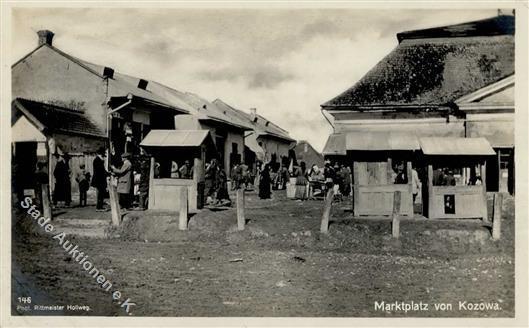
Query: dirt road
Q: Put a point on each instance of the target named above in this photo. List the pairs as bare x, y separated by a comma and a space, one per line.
279, 266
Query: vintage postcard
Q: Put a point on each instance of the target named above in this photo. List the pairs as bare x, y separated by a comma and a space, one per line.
261, 163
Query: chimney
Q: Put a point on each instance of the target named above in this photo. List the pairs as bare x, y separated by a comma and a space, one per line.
253, 114
108, 73
142, 84
45, 36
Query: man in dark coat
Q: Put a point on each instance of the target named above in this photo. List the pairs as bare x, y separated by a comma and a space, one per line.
99, 180
61, 175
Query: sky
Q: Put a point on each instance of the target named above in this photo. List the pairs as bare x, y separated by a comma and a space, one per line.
283, 62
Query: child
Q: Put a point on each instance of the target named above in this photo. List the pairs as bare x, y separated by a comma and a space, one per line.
83, 179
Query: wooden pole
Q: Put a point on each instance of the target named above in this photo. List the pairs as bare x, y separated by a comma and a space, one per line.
429, 213
484, 186
356, 189
496, 218
241, 221
46, 208
183, 213
114, 203
327, 211
395, 222
151, 196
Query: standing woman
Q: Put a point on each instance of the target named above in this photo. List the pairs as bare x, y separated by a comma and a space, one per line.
222, 196
210, 177
301, 181
264, 183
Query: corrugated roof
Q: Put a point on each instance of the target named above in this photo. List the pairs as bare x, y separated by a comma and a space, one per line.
175, 138
259, 126
196, 105
380, 141
456, 146
58, 119
123, 84
335, 145
433, 71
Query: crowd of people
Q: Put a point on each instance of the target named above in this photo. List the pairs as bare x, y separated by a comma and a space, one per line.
132, 179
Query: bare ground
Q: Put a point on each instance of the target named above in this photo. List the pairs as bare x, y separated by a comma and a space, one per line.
279, 266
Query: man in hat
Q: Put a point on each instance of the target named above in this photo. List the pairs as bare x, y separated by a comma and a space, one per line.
124, 175
99, 180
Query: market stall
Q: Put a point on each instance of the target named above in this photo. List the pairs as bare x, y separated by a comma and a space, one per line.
381, 164
177, 148
456, 181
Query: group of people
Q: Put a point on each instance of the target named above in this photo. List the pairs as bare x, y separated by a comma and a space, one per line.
308, 182
241, 176
121, 169
216, 184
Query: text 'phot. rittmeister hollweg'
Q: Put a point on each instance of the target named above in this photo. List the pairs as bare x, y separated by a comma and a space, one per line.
184, 162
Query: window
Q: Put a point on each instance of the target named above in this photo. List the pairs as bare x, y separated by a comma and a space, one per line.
505, 158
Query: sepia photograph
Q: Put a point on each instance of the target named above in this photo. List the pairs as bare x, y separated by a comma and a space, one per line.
256, 162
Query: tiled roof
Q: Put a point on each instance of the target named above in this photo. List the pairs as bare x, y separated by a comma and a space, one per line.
58, 119
433, 71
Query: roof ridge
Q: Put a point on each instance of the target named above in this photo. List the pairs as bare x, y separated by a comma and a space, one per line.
495, 25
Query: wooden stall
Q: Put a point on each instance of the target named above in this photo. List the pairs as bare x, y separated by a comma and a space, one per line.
167, 146
456, 184
378, 158
374, 187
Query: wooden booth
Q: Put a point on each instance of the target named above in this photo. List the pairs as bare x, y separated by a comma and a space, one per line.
382, 164
170, 147
456, 184
376, 159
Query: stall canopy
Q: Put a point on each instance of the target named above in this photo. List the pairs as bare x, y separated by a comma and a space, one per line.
456, 146
175, 138
340, 143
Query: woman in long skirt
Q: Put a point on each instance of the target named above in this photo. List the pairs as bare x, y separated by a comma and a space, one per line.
301, 182
264, 183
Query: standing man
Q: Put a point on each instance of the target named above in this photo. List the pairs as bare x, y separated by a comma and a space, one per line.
124, 175
99, 180
60, 173
415, 183
186, 171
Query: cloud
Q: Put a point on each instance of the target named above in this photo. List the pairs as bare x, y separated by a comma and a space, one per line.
283, 62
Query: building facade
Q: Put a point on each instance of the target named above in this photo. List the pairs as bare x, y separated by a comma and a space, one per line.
451, 81
266, 141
